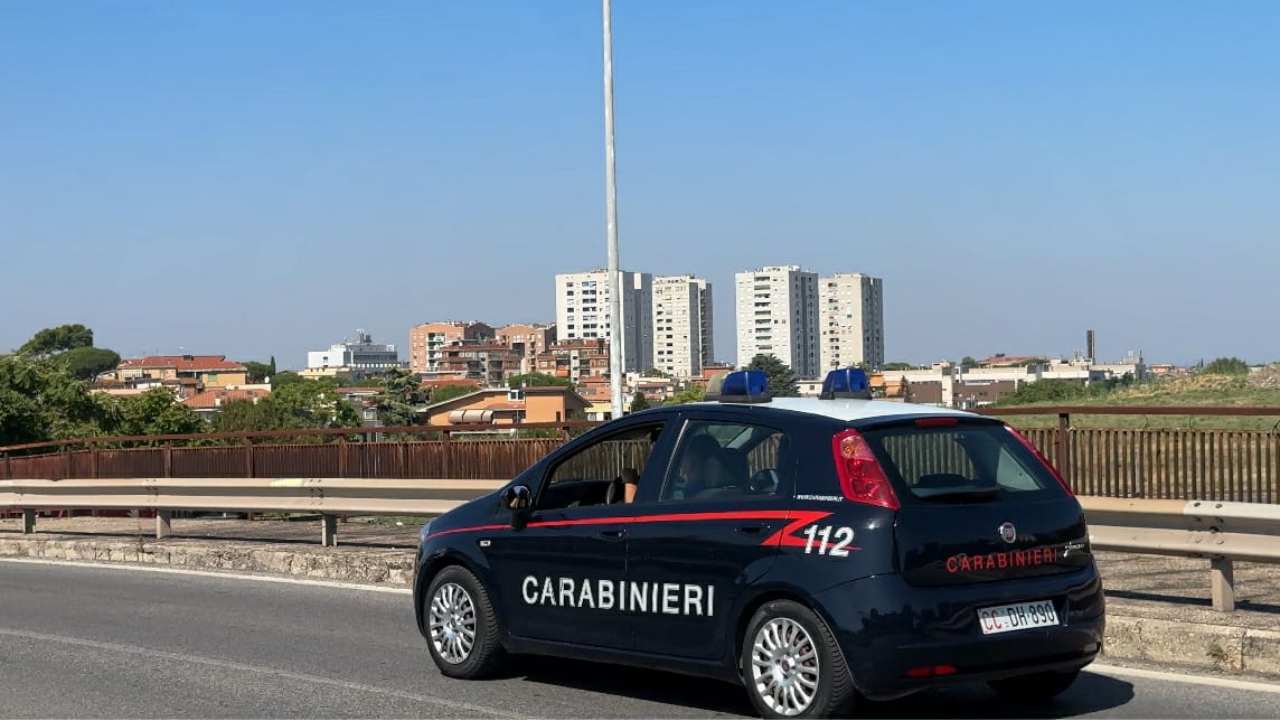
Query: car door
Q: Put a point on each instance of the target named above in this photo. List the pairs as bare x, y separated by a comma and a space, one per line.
562, 573
706, 531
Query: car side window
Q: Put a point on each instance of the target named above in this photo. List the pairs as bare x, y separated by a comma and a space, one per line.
607, 471
728, 460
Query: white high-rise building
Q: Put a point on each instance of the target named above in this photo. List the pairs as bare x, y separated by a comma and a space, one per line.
851, 317
681, 324
777, 314
705, 318
583, 310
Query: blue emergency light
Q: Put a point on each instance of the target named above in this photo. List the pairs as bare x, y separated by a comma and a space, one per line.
846, 383
743, 386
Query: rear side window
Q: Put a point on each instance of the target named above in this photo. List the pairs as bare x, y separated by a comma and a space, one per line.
727, 460
960, 463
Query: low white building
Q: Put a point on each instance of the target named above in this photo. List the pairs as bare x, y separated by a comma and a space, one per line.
358, 356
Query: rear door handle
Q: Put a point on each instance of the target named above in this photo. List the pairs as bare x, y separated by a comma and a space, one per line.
751, 529
613, 534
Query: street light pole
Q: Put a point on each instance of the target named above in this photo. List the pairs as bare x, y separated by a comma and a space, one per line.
611, 223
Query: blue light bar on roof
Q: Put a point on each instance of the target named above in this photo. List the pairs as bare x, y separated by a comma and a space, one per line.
846, 383
741, 386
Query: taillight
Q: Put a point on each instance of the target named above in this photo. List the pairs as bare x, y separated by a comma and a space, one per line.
862, 479
1043, 460
937, 422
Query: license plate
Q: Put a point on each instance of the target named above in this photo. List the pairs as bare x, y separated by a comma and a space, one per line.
1021, 616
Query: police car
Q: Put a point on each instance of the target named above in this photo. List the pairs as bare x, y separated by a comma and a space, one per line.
815, 550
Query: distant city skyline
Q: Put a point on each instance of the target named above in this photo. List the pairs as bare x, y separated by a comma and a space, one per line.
256, 180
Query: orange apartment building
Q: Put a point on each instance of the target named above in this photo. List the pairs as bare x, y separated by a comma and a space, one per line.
199, 370
428, 340
490, 363
575, 359
499, 406
527, 341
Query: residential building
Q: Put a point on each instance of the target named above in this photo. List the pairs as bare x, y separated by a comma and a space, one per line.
596, 390
705, 321
196, 370
502, 406
709, 371
208, 403
489, 363
584, 312
575, 359
526, 340
678, 333
427, 341
655, 389
851, 318
777, 314
356, 357
365, 402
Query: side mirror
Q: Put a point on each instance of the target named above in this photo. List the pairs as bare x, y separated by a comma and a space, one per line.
517, 498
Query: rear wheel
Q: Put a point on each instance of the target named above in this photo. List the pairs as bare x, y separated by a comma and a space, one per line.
462, 626
1039, 687
792, 666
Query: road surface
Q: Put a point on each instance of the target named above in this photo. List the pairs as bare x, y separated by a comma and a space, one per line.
80, 642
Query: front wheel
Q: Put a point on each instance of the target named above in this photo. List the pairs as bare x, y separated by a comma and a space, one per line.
1039, 687
462, 626
792, 666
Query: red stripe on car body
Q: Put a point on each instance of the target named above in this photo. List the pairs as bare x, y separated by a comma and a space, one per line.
781, 538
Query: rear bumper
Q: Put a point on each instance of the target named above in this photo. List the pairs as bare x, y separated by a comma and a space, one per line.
886, 627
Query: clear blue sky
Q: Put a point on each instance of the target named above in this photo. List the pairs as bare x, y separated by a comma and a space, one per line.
262, 178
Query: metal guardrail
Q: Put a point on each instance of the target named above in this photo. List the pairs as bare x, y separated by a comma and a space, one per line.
330, 497
1223, 532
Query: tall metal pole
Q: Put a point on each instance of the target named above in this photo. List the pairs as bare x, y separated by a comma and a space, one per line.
611, 223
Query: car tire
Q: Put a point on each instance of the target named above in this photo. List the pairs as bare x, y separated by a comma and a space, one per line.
463, 634
1035, 688
789, 654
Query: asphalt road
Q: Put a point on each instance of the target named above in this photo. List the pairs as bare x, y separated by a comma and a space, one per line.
82, 642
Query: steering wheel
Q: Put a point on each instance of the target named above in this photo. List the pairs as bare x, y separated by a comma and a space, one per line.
764, 482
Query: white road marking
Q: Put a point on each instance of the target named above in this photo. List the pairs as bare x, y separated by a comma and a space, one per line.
214, 574
256, 669
1209, 680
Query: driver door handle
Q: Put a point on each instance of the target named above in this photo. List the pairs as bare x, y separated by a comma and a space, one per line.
751, 529
613, 534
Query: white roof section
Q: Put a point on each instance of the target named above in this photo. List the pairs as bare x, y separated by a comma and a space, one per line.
850, 409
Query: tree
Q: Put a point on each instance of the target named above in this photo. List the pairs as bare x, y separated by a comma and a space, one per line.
443, 393
273, 366
51, 341
897, 366
968, 362
44, 401
258, 371
401, 396
536, 379
691, 394
155, 412
283, 379
298, 404
1227, 366
87, 363
782, 381
639, 402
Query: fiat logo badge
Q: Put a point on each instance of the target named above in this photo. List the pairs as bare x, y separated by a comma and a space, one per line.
1008, 533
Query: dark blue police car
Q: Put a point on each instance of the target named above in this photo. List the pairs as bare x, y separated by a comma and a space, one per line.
816, 550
